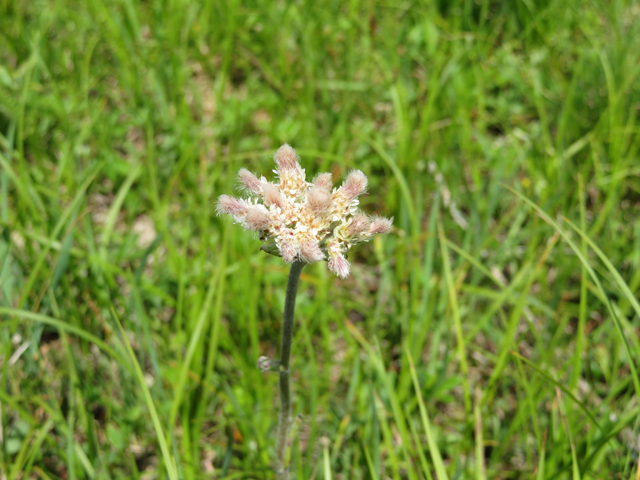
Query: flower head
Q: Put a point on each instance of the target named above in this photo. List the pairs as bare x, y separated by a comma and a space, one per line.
308, 221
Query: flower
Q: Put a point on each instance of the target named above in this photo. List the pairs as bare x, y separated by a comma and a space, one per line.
308, 221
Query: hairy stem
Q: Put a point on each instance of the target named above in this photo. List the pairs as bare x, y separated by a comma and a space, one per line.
284, 421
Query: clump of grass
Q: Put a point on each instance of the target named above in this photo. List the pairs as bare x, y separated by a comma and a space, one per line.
120, 125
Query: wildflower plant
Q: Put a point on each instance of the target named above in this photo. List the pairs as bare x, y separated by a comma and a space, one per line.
302, 222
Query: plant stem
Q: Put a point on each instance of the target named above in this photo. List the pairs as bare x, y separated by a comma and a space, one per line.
284, 421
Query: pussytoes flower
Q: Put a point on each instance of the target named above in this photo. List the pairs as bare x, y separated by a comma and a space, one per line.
307, 221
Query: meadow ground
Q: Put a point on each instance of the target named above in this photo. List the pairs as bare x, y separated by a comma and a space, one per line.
492, 334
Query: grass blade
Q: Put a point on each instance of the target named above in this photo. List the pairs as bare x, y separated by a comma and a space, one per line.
372, 468
574, 458
480, 466
196, 337
561, 387
596, 280
614, 271
436, 457
67, 327
455, 312
33, 274
326, 461
155, 419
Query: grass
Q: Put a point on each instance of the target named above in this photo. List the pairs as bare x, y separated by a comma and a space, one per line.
492, 334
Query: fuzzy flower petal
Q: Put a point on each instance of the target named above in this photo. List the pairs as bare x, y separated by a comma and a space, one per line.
380, 225
323, 180
310, 251
257, 218
286, 158
231, 205
319, 201
354, 185
287, 249
272, 195
359, 224
250, 181
339, 265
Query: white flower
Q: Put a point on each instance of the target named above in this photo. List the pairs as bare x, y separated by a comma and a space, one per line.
307, 221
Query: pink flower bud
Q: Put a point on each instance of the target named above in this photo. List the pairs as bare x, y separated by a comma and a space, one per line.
380, 225
310, 251
339, 265
249, 180
286, 158
324, 180
354, 185
257, 218
319, 201
359, 223
231, 205
287, 250
272, 195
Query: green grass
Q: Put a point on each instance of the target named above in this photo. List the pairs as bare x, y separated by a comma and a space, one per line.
494, 333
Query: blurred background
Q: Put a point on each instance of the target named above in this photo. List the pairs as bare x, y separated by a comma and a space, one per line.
482, 338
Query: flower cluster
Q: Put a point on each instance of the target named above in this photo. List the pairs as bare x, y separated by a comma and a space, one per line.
308, 221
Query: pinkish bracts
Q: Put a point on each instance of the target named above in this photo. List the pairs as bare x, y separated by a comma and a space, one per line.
250, 181
257, 218
232, 206
308, 221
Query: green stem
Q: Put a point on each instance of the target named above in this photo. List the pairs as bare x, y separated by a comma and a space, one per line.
284, 421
